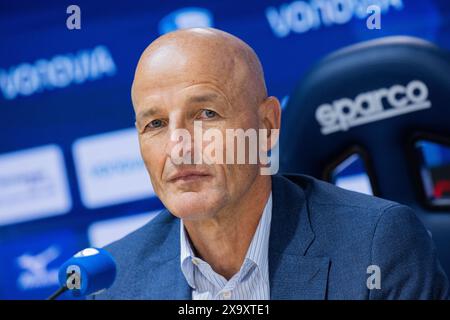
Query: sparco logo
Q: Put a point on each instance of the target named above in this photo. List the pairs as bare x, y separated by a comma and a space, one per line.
367, 107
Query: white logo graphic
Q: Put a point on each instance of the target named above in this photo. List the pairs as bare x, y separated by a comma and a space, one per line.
184, 18
33, 184
304, 16
35, 269
368, 107
110, 169
86, 253
60, 71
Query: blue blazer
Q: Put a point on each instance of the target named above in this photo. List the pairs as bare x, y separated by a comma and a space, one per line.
322, 240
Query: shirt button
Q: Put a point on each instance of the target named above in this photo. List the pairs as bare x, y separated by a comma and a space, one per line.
226, 295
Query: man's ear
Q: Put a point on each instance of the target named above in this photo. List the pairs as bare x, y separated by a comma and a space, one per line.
270, 115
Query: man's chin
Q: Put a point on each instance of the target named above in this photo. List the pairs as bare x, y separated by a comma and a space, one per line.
192, 205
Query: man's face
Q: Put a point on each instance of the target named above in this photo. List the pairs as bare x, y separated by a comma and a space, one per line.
166, 100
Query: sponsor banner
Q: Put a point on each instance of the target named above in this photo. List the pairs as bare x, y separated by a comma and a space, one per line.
110, 169
33, 184
104, 232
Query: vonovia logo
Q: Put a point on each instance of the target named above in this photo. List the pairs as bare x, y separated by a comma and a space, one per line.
191, 17
367, 107
298, 17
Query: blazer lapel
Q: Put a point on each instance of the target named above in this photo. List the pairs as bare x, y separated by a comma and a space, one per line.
293, 274
164, 263
174, 286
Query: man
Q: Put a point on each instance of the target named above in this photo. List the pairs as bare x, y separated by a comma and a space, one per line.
230, 232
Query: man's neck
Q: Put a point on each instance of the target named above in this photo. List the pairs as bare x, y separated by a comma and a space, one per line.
224, 239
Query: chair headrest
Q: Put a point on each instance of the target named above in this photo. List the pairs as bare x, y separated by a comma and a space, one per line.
376, 95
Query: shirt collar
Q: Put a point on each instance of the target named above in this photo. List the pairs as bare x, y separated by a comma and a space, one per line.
257, 252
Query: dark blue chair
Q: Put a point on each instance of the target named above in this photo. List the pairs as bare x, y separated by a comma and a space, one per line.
377, 99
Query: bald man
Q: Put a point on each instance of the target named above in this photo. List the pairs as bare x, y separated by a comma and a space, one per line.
231, 232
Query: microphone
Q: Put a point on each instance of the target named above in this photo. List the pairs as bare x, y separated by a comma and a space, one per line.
90, 271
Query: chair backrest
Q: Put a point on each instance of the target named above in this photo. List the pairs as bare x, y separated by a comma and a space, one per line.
377, 98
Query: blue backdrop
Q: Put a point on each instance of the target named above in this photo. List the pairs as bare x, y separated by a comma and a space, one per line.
70, 171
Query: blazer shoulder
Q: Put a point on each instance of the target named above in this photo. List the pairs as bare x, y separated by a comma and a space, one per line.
323, 194
140, 252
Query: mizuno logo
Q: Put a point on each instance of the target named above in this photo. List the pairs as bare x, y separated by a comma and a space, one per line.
367, 107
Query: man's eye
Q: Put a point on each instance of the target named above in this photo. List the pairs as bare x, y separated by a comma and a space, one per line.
154, 124
208, 114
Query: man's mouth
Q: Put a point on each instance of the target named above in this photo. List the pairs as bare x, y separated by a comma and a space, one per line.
188, 176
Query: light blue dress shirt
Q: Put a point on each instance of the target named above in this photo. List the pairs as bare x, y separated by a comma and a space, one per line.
252, 280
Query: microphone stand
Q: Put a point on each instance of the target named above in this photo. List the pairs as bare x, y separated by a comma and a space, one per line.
57, 293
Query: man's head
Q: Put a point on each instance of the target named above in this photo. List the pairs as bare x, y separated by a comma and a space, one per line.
202, 75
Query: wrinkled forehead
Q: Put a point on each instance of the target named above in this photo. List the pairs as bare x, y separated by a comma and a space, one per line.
169, 68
